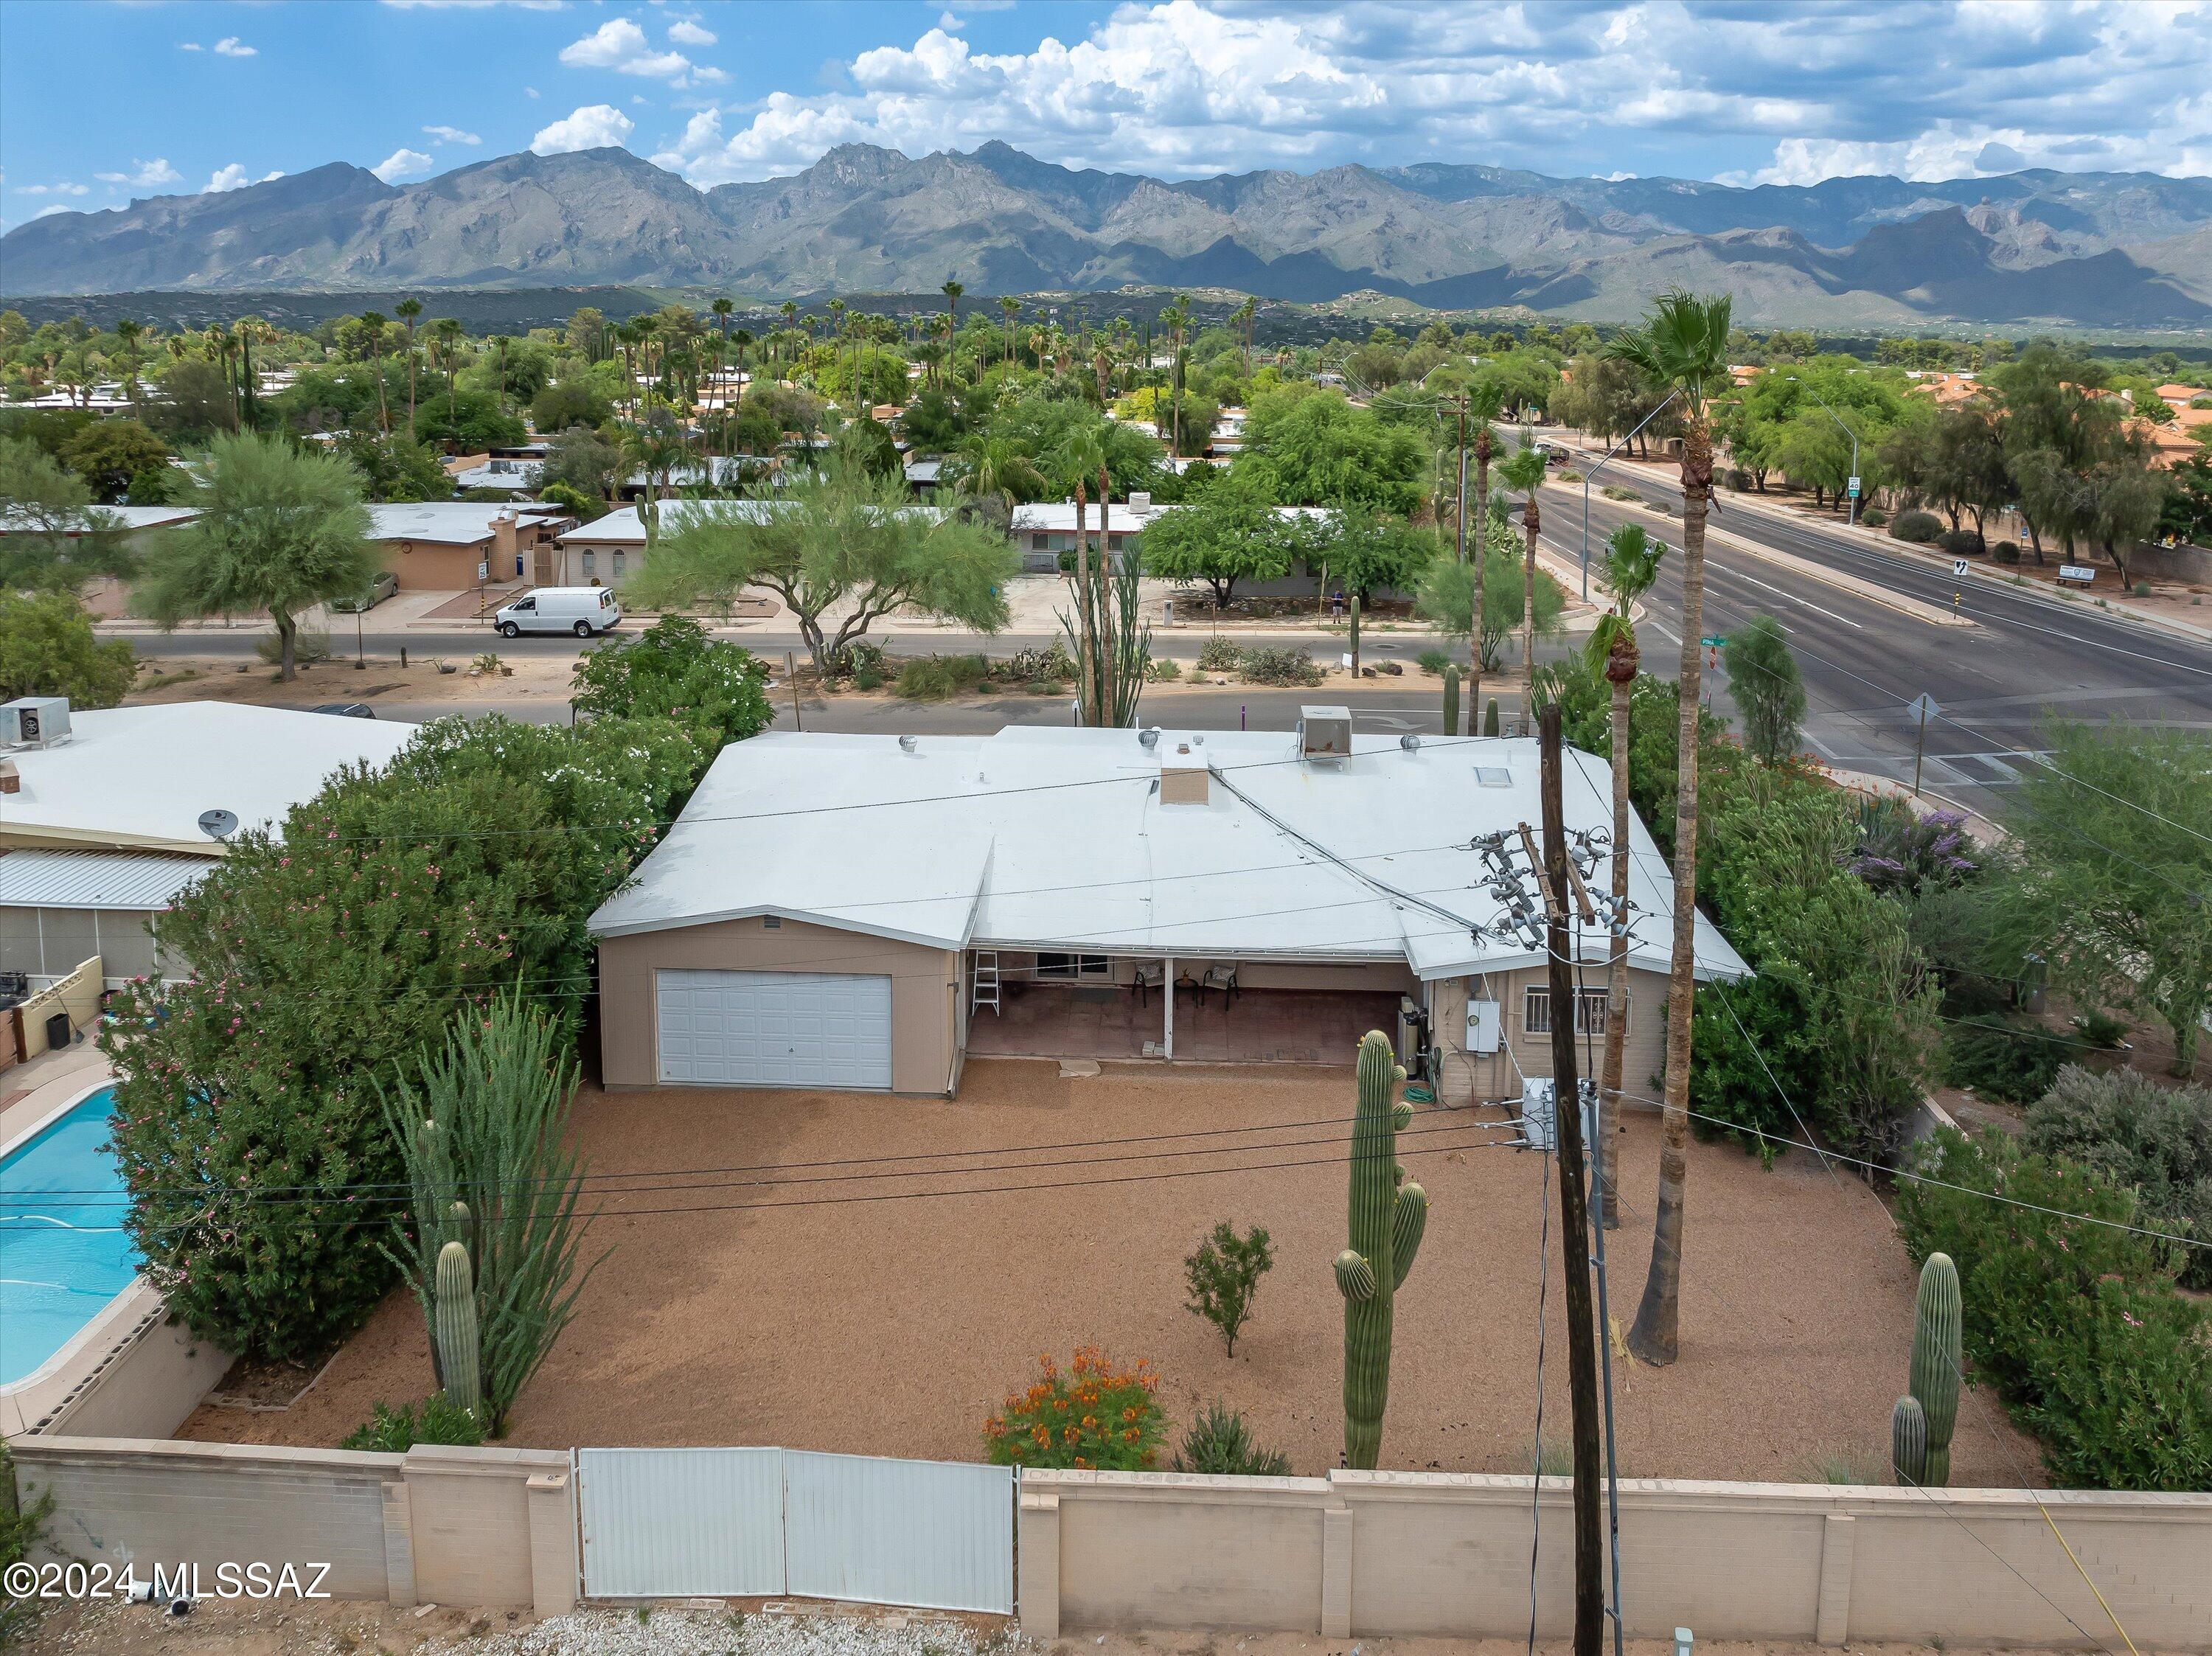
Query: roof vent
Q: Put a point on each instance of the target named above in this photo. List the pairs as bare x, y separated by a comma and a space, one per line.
1150, 739
907, 744
1324, 735
1410, 743
1183, 775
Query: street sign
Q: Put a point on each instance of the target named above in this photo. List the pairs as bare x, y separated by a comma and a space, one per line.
1855, 488
1714, 641
1959, 567
1923, 708
484, 570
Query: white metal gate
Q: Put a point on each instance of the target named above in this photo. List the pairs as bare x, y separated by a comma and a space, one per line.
711, 1523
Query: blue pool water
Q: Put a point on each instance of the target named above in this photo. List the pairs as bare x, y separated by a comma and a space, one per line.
63, 1252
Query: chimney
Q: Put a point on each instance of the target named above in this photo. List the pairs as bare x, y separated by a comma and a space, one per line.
1183, 775
11, 780
503, 536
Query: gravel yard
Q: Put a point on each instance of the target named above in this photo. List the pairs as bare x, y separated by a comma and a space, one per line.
857, 1312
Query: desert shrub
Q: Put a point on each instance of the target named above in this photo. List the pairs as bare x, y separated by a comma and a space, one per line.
1918, 526
2101, 1029
1046, 663
1093, 1414
2156, 1140
932, 678
1223, 1274
2141, 589
1902, 851
308, 644
436, 1419
1739, 479
1434, 661
327, 958
1873, 516
1219, 655
1961, 543
2007, 552
1218, 1442
1281, 665
2003, 1058
858, 658
674, 669
1618, 492
1162, 669
2074, 1318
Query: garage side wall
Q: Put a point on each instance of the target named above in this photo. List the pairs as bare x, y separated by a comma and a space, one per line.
925, 990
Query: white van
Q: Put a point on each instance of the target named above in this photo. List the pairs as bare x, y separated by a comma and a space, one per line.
582, 611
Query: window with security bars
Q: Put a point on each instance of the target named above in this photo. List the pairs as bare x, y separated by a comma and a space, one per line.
1590, 1012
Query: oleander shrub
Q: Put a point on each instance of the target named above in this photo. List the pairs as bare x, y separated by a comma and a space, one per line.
1279, 665
2069, 1312
1920, 528
2154, 1138
1093, 1414
1219, 655
1218, 1442
2004, 1058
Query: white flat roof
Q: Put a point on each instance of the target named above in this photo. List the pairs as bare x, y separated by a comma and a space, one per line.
1058, 516
460, 523
140, 777
1054, 838
96, 879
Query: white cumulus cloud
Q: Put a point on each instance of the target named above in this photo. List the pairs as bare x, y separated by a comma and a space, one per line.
593, 126
686, 33
231, 46
403, 163
620, 45
452, 134
144, 175
53, 189
235, 177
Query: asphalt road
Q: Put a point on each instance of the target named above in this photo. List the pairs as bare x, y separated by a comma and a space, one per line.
1996, 684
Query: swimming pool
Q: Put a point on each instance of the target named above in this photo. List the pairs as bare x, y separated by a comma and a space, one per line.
63, 1255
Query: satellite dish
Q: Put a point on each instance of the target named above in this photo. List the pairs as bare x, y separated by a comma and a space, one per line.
218, 824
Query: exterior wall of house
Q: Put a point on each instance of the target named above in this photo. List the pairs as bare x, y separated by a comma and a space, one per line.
580, 561
925, 990
440, 566
1476, 1077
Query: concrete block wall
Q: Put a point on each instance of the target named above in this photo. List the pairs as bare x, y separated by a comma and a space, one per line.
1373, 1554
489, 1527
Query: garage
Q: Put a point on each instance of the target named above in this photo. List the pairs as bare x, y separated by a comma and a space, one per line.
725, 1029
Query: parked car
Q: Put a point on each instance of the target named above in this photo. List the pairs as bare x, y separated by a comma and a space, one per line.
346, 709
1554, 454
382, 588
582, 611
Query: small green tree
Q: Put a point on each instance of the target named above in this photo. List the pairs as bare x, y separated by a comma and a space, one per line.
719, 692
482, 1129
108, 455
1764, 683
56, 537
279, 530
834, 539
1448, 597
1365, 550
47, 648
1230, 533
1221, 1274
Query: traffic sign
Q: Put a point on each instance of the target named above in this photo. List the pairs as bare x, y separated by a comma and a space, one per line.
1923, 708
1855, 488
1959, 566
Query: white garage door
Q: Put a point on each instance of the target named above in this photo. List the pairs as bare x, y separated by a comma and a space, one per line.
775, 1029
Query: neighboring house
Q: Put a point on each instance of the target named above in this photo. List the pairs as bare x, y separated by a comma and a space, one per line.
100, 831
445, 546
609, 550
511, 476
720, 471
1045, 529
141, 528
923, 475
859, 912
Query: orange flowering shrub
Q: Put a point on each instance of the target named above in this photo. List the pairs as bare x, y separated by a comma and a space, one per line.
1092, 1415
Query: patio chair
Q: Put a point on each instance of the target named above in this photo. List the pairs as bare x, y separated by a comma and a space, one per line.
1148, 977
1223, 978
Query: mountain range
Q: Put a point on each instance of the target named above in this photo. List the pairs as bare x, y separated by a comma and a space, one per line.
2085, 249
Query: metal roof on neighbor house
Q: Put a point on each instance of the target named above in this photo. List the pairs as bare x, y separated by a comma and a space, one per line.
1054, 838
96, 879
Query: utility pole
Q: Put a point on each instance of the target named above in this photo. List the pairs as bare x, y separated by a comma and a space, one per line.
1574, 1207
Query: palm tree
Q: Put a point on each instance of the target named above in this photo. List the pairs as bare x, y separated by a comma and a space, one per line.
995, 469
1681, 349
1632, 565
407, 310
1242, 316
1010, 308
1484, 402
654, 445
448, 331
952, 290
790, 309
1524, 470
373, 325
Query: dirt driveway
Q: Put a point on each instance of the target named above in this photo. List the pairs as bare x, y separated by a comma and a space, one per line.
854, 1312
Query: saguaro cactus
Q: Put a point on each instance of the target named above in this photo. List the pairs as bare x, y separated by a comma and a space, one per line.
1490, 718
454, 1319
1451, 701
1937, 1342
1908, 1442
1387, 1216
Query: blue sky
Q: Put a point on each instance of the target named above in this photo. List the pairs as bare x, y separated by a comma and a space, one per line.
102, 101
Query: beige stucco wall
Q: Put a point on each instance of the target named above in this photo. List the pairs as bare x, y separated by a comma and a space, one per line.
925, 990
77, 994
129, 1372
1478, 1078
1370, 1554
486, 1527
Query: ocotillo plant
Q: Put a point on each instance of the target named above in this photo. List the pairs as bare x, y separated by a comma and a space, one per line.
454, 1321
1937, 1341
1387, 1216
1451, 702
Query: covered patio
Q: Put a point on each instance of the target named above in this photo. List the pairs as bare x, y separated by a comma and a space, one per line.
1109, 1020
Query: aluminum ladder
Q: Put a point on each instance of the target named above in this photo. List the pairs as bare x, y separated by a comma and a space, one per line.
983, 982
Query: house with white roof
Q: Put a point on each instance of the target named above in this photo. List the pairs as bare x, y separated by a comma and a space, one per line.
1043, 530
107, 818
447, 546
861, 912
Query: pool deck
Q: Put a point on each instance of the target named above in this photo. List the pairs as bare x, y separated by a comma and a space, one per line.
30, 1094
